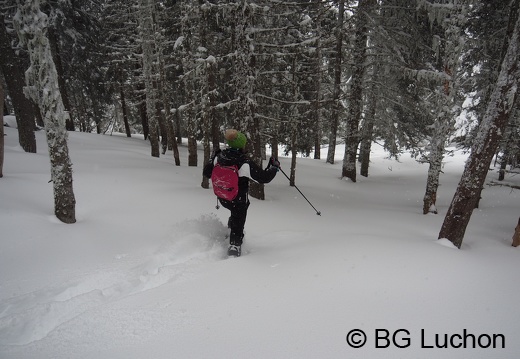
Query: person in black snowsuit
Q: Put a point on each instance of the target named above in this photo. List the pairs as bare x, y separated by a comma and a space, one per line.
235, 155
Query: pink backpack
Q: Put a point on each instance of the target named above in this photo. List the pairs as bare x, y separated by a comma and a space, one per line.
225, 181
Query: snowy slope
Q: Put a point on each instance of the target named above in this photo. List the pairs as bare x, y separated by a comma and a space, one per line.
143, 273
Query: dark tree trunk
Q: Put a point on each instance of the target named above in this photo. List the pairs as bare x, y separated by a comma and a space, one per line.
503, 165
516, 236
274, 145
292, 176
1, 130
5, 111
215, 133
172, 144
163, 130
352, 137
124, 110
215, 130
506, 157
316, 106
178, 127
192, 151
144, 119
366, 146
24, 108
368, 127
171, 132
257, 190
336, 97
208, 118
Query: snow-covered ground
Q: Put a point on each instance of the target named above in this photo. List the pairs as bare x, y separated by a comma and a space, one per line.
144, 274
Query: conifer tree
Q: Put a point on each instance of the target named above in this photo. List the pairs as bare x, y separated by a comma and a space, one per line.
121, 49
490, 131
75, 37
445, 97
487, 26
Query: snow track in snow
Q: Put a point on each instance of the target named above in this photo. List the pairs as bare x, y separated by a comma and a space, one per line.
32, 316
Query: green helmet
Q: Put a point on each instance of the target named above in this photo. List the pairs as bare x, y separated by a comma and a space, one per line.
235, 139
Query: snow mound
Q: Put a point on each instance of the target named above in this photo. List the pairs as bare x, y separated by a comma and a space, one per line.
446, 243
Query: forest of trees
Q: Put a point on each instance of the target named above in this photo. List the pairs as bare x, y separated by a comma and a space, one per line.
412, 75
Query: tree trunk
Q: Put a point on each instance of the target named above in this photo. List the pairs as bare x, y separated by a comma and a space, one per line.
215, 133
432, 181
316, 106
124, 110
506, 157
292, 175
212, 89
503, 165
163, 130
487, 140
5, 112
368, 126
352, 137
256, 190
516, 236
336, 97
206, 121
82, 112
189, 109
43, 87
144, 119
442, 128
167, 113
208, 98
294, 121
1, 130
275, 129
366, 147
207, 154
55, 50
178, 127
24, 109
147, 37
171, 137
192, 150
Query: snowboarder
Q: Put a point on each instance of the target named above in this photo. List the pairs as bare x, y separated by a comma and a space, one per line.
235, 155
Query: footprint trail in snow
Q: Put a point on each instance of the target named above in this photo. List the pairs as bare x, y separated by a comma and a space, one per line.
32, 316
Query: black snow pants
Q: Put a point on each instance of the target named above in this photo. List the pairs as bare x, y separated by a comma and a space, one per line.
237, 220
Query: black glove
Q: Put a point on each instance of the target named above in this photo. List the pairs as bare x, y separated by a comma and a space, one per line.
273, 162
215, 154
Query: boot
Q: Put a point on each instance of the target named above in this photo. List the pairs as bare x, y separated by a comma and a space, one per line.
234, 251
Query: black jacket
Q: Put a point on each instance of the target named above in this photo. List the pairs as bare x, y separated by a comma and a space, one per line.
231, 156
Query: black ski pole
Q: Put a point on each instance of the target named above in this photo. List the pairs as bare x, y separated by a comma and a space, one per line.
317, 212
